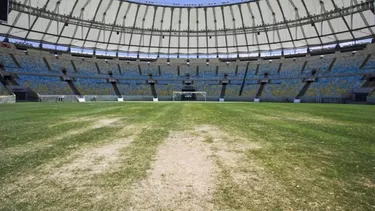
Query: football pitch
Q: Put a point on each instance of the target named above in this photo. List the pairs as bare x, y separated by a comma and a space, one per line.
187, 156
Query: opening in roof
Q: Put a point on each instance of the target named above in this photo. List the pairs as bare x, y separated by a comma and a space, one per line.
191, 3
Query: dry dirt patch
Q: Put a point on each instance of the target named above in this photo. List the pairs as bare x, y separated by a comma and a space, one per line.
242, 173
97, 123
77, 173
90, 161
105, 122
188, 171
182, 177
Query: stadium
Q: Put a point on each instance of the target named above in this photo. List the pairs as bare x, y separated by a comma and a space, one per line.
187, 105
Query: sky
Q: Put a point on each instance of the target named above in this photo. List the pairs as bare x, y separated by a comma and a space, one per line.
193, 2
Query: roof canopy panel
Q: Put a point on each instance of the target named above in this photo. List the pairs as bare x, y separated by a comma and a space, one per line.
202, 27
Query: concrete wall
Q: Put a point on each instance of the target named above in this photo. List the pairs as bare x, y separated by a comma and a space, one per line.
7, 99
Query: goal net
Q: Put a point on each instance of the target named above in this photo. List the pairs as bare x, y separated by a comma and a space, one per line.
189, 96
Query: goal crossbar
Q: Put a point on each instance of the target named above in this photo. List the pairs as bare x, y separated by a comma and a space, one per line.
176, 93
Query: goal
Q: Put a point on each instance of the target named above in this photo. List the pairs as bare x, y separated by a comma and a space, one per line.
189, 96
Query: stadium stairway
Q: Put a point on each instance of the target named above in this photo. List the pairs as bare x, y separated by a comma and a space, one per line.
4, 89
47, 64
260, 91
303, 90
74, 88
308, 82
15, 61
9, 86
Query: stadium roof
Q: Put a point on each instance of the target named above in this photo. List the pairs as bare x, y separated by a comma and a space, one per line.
155, 27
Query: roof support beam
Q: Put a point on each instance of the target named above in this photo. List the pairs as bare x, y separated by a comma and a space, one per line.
70, 15
346, 23
301, 27
113, 25
216, 42
206, 27
36, 18
179, 33
265, 30
103, 21
225, 30
255, 37
123, 33
283, 14
170, 31
188, 37
275, 22
93, 19
328, 21
243, 27
161, 36
134, 23
234, 30
197, 29
364, 19
143, 26
76, 28
48, 26
16, 19
152, 27
312, 21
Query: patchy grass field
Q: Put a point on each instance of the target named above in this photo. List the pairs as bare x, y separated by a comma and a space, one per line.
187, 156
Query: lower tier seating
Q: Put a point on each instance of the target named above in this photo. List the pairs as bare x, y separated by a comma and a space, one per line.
283, 88
333, 87
46, 85
134, 88
94, 87
250, 90
3, 91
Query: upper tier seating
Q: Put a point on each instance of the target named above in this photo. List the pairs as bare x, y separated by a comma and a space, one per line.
129, 69
370, 65
86, 68
291, 68
168, 71
229, 69
208, 71
241, 70
7, 60
251, 70
188, 69
58, 64
270, 68
108, 66
147, 69
31, 63
321, 65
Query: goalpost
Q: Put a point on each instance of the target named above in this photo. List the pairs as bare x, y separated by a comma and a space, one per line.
177, 95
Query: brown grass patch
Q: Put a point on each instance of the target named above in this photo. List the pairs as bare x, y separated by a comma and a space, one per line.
242, 176
296, 117
42, 144
90, 161
182, 177
105, 122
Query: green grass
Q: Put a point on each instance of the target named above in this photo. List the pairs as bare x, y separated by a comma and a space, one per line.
279, 156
